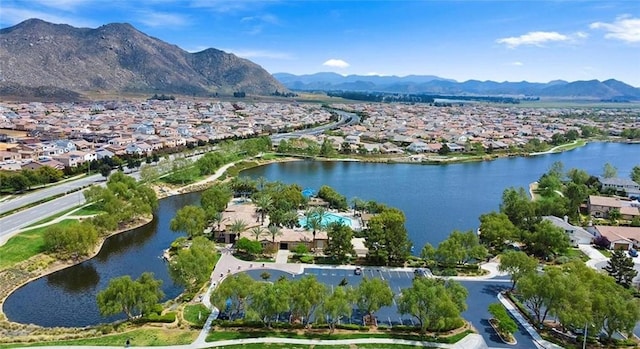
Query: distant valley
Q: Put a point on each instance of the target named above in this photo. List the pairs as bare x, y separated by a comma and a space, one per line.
612, 90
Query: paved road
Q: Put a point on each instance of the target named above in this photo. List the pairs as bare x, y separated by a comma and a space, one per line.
11, 225
345, 119
41, 194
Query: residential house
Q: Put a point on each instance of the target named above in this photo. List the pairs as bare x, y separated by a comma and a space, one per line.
620, 185
34, 165
600, 206
104, 153
418, 147
577, 235
619, 237
139, 149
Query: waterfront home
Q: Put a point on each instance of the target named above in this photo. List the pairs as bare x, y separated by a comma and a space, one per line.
418, 147
600, 206
621, 185
618, 237
577, 235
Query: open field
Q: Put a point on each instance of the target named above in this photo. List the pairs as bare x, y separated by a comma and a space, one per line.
25, 245
138, 337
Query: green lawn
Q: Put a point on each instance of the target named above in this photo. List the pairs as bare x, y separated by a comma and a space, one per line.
25, 245
50, 218
298, 346
139, 337
190, 313
88, 211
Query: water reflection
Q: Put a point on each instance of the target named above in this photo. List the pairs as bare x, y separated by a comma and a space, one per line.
125, 242
82, 278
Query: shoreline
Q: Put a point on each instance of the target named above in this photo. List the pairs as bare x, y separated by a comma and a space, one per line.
57, 265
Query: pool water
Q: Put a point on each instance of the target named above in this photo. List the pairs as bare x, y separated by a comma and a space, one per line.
328, 219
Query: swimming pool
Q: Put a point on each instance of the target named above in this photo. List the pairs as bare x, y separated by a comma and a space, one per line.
330, 218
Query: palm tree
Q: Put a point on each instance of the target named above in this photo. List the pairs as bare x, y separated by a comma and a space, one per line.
237, 226
261, 182
274, 231
263, 204
257, 232
357, 204
217, 219
315, 217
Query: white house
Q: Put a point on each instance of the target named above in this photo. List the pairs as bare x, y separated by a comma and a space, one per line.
418, 147
577, 235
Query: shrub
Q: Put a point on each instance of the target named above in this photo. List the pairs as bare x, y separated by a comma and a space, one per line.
165, 318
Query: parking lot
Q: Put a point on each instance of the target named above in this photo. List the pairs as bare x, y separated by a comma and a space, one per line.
481, 294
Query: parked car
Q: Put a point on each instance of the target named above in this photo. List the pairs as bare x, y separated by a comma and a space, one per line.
422, 272
633, 253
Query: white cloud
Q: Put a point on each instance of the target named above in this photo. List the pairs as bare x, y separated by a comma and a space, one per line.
11, 16
259, 54
157, 19
533, 38
517, 64
624, 28
336, 63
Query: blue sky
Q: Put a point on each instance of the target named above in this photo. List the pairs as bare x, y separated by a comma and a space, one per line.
485, 40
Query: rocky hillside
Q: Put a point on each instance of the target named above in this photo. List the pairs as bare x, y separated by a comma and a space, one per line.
117, 57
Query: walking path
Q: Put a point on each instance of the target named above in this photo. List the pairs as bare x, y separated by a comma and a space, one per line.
537, 340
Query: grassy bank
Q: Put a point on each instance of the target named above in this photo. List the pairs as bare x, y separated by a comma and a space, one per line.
26, 245
138, 337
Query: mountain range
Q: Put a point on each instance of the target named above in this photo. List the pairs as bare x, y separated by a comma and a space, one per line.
592, 89
40, 57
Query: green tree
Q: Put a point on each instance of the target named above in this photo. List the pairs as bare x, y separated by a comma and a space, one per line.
542, 293
191, 267
75, 240
444, 149
621, 268
578, 176
105, 170
274, 232
372, 294
307, 295
336, 200
520, 210
263, 204
247, 246
337, 306
258, 232
339, 245
189, 219
216, 198
327, 150
234, 294
428, 252
576, 195
124, 295
460, 248
434, 303
635, 174
496, 229
546, 240
517, 264
237, 227
609, 171
270, 299
387, 238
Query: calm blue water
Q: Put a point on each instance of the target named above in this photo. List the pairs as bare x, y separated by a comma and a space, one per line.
68, 297
438, 199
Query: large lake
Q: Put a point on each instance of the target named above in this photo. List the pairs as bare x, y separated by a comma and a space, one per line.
436, 200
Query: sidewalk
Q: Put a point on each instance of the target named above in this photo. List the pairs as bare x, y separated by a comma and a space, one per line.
537, 340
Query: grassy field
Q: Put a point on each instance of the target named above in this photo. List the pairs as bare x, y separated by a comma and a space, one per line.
139, 337
25, 245
190, 313
87, 211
